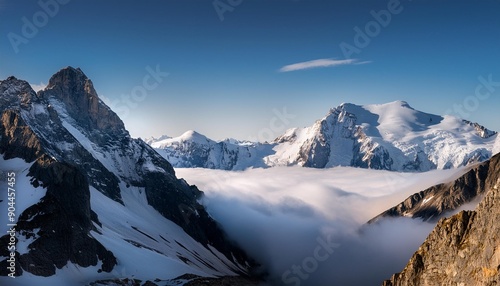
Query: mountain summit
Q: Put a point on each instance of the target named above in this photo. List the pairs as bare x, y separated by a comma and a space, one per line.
91, 199
72, 87
392, 136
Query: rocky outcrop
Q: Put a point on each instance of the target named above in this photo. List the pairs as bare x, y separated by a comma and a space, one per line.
60, 223
30, 124
76, 91
481, 131
17, 139
463, 249
336, 129
435, 201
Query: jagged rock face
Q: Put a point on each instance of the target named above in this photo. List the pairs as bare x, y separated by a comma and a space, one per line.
73, 141
77, 92
60, 223
31, 123
437, 200
461, 250
17, 139
337, 129
482, 131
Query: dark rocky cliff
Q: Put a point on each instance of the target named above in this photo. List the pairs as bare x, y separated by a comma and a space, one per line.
463, 249
437, 200
61, 221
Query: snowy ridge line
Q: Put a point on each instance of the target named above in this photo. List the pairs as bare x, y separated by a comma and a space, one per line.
391, 136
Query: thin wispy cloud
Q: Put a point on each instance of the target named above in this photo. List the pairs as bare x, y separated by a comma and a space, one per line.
320, 63
363, 63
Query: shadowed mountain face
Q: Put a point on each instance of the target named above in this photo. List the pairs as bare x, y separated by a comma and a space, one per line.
463, 249
74, 145
437, 200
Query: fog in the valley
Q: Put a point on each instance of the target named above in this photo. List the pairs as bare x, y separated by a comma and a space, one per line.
307, 226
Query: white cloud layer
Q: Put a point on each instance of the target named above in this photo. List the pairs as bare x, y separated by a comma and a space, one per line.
320, 63
278, 215
496, 146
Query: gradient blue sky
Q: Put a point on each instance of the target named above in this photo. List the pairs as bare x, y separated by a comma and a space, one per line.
224, 76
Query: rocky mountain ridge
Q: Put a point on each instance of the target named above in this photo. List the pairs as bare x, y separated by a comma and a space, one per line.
463, 249
437, 200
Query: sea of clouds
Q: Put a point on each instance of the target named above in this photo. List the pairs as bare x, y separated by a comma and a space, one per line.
308, 226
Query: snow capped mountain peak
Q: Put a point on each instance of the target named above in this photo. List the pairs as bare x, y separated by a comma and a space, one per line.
193, 149
188, 137
395, 104
110, 197
14, 91
70, 89
352, 108
153, 139
392, 136
194, 136
69, 77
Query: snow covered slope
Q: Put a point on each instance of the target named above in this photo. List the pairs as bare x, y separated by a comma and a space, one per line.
92, 202
391, 136
192, 149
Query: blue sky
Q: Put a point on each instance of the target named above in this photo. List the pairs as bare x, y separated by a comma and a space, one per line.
227, 69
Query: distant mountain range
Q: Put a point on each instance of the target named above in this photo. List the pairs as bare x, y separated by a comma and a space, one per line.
391, 136
92, 202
